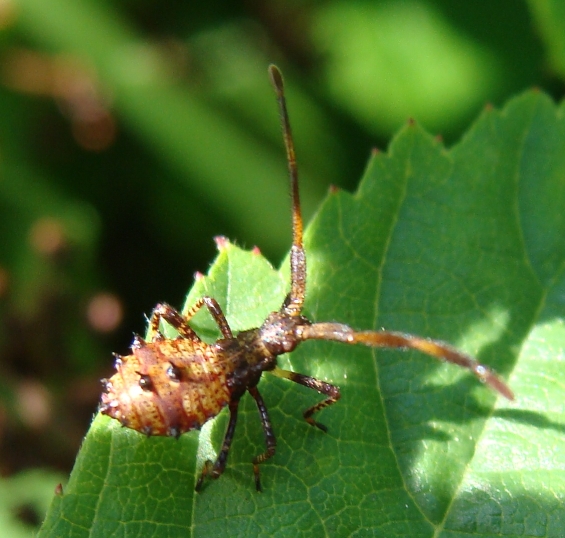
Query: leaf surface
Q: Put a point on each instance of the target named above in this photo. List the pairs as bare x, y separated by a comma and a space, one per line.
465, 245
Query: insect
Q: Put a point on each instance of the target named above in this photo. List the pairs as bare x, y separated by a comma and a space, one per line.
171, 386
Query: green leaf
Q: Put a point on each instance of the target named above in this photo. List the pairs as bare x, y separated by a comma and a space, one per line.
550, 18
465, 245
26, 493
407, 57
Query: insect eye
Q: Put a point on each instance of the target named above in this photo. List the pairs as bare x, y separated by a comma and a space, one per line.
145, 382
174, 373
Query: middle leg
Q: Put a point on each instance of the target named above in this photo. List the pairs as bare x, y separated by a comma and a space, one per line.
214, 470
270, 439
329, 390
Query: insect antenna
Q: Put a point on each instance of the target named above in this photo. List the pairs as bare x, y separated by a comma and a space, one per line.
293, 305
392, 339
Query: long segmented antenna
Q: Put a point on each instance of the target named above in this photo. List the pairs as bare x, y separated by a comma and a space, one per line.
393, 339
294, 305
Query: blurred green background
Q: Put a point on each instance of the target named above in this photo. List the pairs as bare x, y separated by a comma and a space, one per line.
133, 132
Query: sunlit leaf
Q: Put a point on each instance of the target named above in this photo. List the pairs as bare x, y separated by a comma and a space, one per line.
466, 245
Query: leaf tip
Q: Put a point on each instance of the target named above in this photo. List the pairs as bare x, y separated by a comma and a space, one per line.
333, 189
221, 242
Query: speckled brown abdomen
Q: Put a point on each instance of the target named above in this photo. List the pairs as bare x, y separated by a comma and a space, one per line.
167, 387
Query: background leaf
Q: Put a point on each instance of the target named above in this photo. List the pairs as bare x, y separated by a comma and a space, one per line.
550, 18
466, 245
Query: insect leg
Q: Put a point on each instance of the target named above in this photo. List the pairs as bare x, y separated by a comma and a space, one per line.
216, 312
331, 391
216, 469
173, 318
270, 439
180, 323
434, 348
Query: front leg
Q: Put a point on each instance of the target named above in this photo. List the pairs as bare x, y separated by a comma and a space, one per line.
180, 323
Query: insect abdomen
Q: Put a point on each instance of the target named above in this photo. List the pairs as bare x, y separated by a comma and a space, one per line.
167, 387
